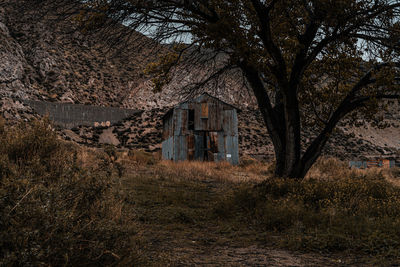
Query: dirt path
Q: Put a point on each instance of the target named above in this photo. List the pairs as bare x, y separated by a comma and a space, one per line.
176, 221
250, 256
254, 256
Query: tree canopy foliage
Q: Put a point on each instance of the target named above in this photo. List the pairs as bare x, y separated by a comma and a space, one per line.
307, 62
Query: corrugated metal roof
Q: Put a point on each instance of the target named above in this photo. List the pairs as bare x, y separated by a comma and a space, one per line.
195, 100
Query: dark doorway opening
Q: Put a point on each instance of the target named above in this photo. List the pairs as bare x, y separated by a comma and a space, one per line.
191, 120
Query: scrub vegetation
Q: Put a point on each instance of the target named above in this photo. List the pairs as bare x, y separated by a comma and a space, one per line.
61, 204
53, 210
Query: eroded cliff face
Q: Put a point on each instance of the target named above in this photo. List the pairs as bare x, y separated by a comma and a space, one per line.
48, 59
55, 63
12, 63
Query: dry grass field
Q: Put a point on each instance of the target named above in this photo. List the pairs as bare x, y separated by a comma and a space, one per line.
61, 204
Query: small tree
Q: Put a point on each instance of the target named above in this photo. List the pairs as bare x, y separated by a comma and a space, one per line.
308, 62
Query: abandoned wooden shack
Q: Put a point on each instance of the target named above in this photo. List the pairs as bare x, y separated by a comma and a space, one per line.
204, 129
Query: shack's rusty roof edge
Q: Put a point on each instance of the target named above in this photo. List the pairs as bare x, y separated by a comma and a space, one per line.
193, 100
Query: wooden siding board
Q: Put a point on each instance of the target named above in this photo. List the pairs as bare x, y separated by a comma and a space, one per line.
231, 146
227, 126
230, 122
171, 124
227, 148
180, 148
213, 115
204, 116
198, 124
165, 129
207, 151
214, 142
235, 123
184, 121
235, 150
220, 113
167, 148
190, 146
175, 147
184, 149
168, 128
221, 146
177, 122
213, 147
214, 121
204, 124
199, 149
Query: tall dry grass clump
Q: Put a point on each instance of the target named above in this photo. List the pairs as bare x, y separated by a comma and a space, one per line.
195, 170
53, 211
332, 168
250, 172
334, 209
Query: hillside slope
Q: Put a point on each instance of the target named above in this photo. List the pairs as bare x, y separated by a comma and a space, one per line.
51, 60
44, 60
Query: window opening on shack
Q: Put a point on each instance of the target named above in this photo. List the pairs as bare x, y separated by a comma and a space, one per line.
191, 119
204, 110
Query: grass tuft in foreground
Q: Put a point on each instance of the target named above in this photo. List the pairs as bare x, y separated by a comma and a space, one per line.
359, 213
54, 211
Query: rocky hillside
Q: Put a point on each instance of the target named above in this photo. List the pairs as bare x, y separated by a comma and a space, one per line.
144, 131
45, 60
48, 59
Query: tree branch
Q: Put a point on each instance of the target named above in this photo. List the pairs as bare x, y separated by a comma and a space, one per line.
274, 123
335, 35
280, 70
349, 104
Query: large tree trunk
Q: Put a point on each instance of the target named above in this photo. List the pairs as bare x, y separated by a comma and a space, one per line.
283, 125
292, 137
